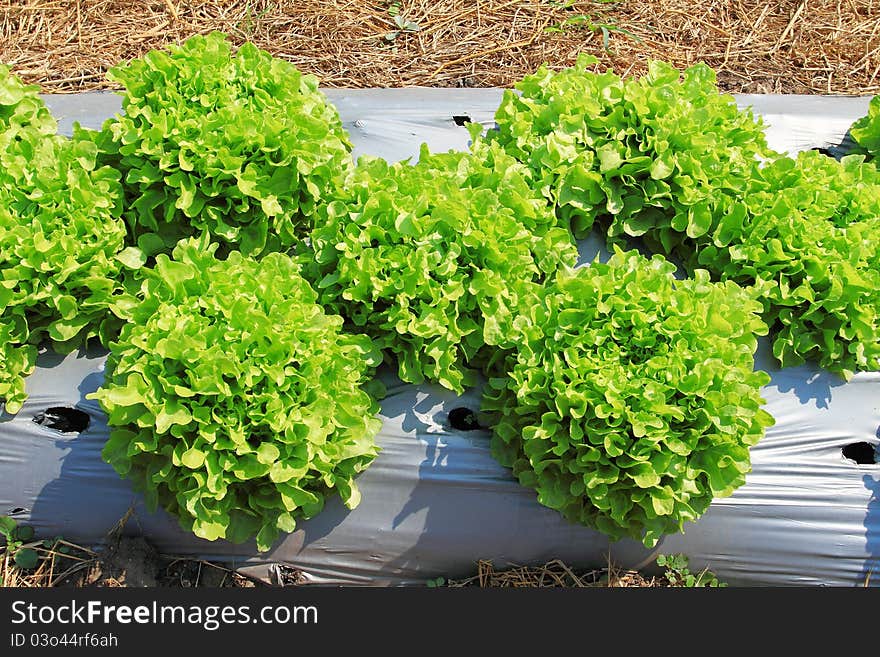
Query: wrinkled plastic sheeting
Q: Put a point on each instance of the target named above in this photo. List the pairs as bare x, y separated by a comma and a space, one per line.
388, 123
798, 122
392, 123
434, 500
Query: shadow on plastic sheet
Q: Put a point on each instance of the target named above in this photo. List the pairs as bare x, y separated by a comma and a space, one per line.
87, 499
83, 502
871, 574
46, 358
437, 452
426, 495
810, 388
809, 383
465, 507
447, 476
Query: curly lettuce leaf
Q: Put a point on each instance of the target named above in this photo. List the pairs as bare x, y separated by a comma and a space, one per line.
630, 401
866, 131
669, 160
61, 238
240, 144
429, 259
235, 401
807, 238
655, 156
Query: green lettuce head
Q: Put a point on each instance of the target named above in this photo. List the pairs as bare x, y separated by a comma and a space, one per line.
866, 131
658, 156
22, 111
235, 401
429, 259
61, 239
806, 238
631, 401
668, 159
241, 145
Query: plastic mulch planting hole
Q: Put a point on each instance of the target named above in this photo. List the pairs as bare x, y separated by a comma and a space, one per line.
65, 420
861, 453
463, 419
461, 119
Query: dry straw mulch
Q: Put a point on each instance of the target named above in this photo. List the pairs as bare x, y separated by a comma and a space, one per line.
556, 574
132, 563
785, 46
125, 562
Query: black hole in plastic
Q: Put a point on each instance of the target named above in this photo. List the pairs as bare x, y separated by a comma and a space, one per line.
861, 453
461, 119
65, 420
463, 419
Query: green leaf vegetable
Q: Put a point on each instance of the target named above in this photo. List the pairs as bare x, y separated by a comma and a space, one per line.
235, 401
668, 159
866, 131
631, 400
659, 155
61, 239
240, 144
626, 398
807, 239
429, 258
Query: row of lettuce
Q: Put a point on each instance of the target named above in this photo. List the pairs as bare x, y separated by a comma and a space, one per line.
248, 278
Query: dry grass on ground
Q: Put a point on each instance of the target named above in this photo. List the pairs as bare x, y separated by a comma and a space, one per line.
124, 561
787, 46
132, 562
556, 574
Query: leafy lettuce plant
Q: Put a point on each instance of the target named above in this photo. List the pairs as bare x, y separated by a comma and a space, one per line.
234, 399
62, 251
16, 362
660, 156
668, 159
866, 131
630, 401
428, 258
807, 239
240, 144
22, 110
